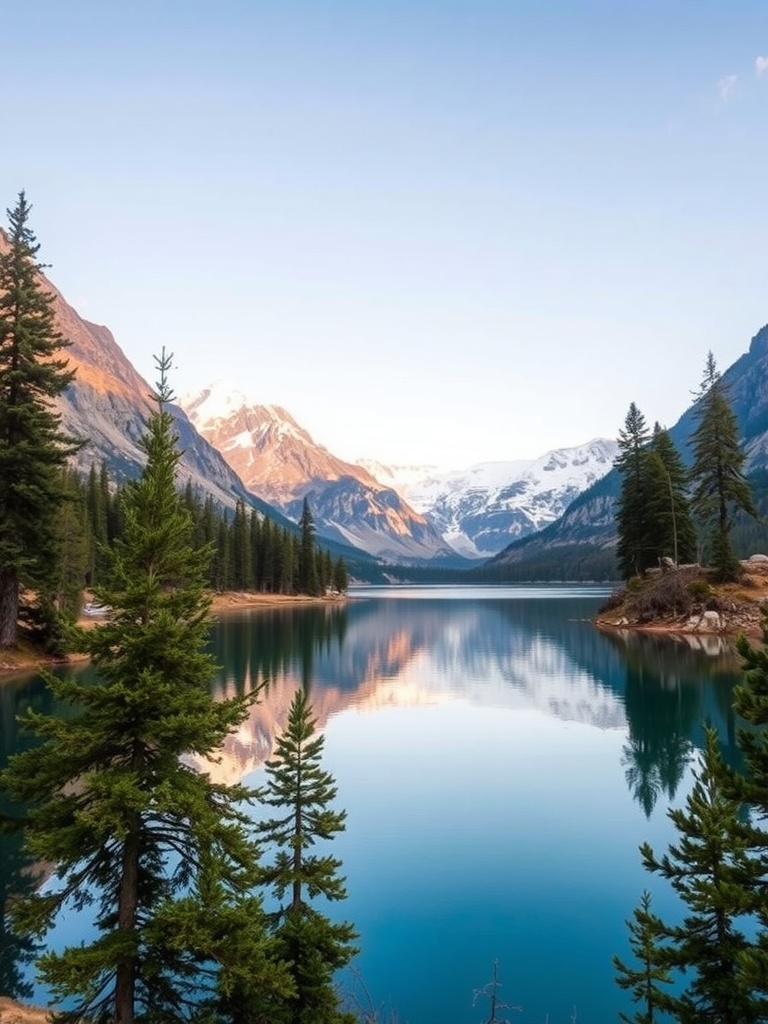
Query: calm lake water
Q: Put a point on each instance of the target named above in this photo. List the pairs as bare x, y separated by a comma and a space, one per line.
500, 761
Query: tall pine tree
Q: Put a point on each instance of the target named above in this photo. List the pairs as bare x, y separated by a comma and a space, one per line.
33, 447
671, 530
302, 792
308, 577
713, 870
751, 786
719, 486
130, 827
649, 981
632, 515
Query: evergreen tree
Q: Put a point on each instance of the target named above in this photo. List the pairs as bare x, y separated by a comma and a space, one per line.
671, 527
74, 542
632, 514
33, 447
131, 828
241, 549
715, 874
308, 581
97, 504
751, 787
302, 791
719, 485
652, 972
340, 576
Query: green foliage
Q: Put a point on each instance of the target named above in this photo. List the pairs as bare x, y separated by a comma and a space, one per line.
309, 581
751, 705
632, 508
645, 981
672, 533
302, 791
33, 447
340, 576
700, 590
719, 487
652, 513
131, 827
714, 871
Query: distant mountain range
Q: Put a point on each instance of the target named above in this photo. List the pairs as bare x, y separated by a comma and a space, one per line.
480, 510
277, 459
411, 515
548, 518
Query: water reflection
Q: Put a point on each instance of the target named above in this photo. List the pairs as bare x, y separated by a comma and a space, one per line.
515, 663
672, 688
541, 654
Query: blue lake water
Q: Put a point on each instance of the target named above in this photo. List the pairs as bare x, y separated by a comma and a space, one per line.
500, 761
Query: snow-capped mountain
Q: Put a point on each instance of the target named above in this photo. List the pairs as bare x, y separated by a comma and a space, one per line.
480, 510
278, 460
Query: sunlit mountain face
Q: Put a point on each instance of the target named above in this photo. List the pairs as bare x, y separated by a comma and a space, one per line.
280, 462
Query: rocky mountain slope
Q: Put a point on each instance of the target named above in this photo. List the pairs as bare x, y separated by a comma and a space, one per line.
278, 460
108, 404
481, 509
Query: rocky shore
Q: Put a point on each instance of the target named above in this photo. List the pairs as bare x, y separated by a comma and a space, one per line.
684, 599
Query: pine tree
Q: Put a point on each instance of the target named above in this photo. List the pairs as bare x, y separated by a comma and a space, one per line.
303, 791
672, 531
33, 447
241, 549
719, 485
715, 874
645, 981
308, 581
632, 514
751, 786
131, 828
340, 576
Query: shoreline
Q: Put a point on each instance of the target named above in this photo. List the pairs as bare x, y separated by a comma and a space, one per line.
726, 610
23, 660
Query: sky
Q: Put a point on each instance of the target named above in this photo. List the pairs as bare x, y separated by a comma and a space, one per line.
435, 231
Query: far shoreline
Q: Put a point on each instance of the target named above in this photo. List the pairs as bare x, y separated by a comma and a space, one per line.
25, 660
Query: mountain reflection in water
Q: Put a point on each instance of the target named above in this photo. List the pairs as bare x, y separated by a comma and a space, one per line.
483, 742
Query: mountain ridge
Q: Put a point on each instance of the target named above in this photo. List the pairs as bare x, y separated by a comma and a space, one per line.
280, 461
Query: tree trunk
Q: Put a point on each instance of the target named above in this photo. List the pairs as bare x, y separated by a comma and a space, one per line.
125, 975
9, 607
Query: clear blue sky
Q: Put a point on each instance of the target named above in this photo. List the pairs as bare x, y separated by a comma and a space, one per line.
435, 231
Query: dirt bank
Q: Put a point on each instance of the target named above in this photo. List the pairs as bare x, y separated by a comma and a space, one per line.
15, 1013
686, 600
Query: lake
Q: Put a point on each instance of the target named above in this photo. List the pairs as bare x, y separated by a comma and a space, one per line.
500, 761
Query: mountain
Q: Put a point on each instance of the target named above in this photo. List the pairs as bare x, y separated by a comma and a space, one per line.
584, 538
278, 460
480, 509
108, 404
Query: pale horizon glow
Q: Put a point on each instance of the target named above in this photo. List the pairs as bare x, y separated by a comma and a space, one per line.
437, 232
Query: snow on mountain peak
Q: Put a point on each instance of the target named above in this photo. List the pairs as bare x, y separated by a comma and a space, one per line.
218, 401
479, 510
221, 401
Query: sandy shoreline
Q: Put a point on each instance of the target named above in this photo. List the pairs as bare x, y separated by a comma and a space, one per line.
248, 599
12, 1012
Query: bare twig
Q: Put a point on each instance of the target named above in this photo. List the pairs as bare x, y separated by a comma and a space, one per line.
491, 991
